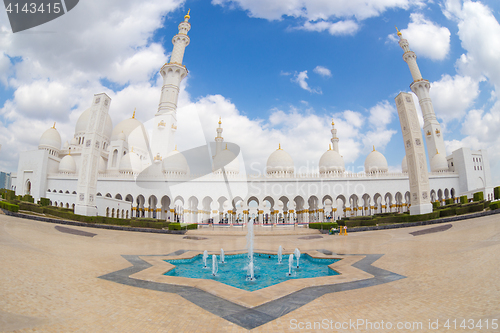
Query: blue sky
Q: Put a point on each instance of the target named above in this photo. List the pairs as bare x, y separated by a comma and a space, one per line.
276, 71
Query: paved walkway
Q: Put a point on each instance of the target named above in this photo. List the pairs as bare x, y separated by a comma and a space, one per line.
49, 280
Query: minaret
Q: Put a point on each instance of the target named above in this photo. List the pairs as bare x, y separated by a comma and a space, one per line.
432, 129
91, 154
335, 140
218, 139
163, 136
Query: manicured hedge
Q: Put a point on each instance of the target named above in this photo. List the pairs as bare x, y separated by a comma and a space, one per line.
178, 226
496, 192
436, 205
478, 196
9, 206
495, 205
447, 212
463, 199
323, 226
449, 201
45, 201
30, 206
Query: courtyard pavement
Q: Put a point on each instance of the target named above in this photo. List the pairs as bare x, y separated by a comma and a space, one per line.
51, 280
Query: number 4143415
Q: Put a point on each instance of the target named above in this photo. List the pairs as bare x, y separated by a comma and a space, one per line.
471, 324
33, 8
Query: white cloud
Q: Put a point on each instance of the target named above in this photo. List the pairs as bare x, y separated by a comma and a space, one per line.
479, 32
323, 71
426, 38
347, 27
55, 74
453, 96
317, 9
300, 78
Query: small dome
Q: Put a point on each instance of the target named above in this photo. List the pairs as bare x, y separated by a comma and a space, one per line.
130, 163
67, 164
83, 121
50, 138
439, 163
66, 145
375, 162
175, 162
228, 160
331, 161
404, 165
102, 165
74, 142
279, 162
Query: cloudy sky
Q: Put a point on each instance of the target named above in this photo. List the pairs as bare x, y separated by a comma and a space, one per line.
276, 71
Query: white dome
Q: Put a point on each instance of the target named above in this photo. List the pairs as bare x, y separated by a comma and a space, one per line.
50, 138
439, 163
404, 165
175, 162
279, 162
375, 162
67, 164
83, 121
130, 162
331, 161
66, 145
134, 132
102, 165
228, 160
74, 142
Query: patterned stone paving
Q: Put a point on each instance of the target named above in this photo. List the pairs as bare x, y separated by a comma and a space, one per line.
49, 281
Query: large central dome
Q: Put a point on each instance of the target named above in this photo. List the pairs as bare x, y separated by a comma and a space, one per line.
280, 162
83, 121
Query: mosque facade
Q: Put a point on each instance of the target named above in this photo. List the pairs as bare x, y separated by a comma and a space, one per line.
126, 171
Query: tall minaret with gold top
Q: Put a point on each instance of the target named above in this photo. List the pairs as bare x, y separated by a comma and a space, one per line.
432, 129
334, 139
173, 72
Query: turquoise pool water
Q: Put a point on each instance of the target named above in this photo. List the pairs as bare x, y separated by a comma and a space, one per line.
267, 271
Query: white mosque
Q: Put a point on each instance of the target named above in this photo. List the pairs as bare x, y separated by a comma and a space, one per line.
126, 171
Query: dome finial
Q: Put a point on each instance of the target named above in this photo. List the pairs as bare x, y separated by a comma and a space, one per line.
330, 146
133, 116
175, 148
279, 146
187, 17
226, 146
132, 150
333, 124
220, 120
373, 147
437, 151
399, 32
54, 126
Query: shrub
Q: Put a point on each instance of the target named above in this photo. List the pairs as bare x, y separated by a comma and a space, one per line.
45, 201
463, 199
478, 196
496, 192
138, 224
28, 198
436, 205
192, 226
174, 226
9, 206
447, 212
495, 205
449, 201
324, 226
30, 207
